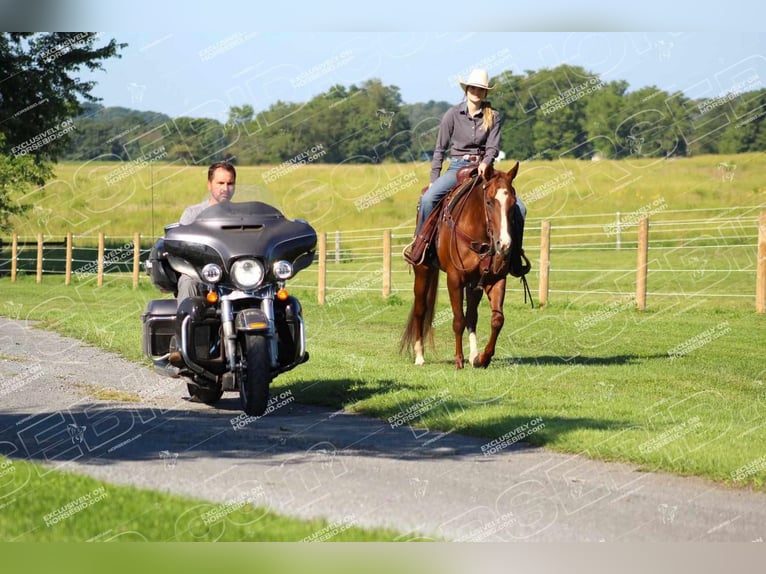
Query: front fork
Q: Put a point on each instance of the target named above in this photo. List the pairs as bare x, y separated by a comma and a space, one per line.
230, 333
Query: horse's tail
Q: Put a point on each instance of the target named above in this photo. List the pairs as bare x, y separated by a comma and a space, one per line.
425, 298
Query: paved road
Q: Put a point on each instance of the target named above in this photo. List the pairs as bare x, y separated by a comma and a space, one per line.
307, 461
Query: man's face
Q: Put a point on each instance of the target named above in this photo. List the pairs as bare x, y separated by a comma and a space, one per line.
221, 187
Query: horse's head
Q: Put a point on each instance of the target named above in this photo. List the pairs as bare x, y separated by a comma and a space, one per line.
500, 200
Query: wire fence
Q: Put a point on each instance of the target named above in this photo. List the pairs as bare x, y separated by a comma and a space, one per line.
711, 253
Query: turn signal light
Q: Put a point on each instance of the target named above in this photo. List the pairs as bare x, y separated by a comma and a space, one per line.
211, 297
282, 294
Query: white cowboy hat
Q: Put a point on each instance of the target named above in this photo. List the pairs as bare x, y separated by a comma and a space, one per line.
478, 78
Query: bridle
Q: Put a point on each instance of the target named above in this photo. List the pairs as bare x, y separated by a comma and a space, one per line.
486, 251
490, 263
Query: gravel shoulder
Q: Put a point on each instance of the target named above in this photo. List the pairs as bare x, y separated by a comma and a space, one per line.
71, 406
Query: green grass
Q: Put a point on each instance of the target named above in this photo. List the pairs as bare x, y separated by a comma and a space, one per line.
79, 201
679, 388
39, 505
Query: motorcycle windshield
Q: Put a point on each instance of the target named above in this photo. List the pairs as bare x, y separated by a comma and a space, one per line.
227, 231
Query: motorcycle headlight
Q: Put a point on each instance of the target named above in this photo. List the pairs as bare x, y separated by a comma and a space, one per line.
283, 270
212, 273
247, 273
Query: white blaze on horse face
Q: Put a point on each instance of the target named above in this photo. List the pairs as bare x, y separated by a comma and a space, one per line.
502, 197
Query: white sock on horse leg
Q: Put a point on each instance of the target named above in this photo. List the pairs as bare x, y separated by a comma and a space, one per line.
474, 345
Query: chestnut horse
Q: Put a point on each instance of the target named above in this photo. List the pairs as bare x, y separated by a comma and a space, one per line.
473, 246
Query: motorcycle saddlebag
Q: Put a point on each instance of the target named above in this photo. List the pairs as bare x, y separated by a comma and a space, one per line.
163, 276
159, 321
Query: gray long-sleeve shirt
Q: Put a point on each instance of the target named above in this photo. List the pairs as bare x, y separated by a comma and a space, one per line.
463, 134
191, 212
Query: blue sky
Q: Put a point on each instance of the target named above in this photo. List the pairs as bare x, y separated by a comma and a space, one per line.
202, 74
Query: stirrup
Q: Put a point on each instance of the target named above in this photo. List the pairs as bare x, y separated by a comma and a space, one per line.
407, 253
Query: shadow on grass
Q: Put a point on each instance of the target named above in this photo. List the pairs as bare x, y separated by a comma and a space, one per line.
553, 360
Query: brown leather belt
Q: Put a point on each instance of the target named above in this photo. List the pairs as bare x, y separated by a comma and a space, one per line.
471, 158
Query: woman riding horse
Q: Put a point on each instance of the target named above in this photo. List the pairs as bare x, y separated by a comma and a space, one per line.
470, 131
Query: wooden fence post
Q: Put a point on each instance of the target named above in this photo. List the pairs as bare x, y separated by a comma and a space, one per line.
760, 278
545, 262
68, 260
39, 257
386, 263
641, 267
322, 275
136, 258
100, 276
618, 231
14, 256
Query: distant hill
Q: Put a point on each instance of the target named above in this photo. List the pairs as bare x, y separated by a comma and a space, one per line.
108, 131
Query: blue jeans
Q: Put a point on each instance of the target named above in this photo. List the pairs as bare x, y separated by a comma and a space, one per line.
441, 186
438, 189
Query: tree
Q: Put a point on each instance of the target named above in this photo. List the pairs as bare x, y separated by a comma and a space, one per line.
748, 130
40, 96
240, 114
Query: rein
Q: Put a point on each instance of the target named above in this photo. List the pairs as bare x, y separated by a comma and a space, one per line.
485, 251
482, 249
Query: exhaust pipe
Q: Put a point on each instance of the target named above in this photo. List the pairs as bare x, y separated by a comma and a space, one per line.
164, 368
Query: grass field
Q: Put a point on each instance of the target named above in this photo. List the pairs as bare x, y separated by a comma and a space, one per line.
84, 199
679, 388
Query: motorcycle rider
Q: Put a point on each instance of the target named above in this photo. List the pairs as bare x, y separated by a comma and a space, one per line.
221, 180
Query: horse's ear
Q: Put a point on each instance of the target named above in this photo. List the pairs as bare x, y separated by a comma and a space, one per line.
513, 171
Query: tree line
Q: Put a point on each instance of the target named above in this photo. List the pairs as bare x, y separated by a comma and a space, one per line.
47, 114
566, 111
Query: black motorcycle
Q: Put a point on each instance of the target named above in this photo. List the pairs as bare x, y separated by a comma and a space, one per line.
246, 329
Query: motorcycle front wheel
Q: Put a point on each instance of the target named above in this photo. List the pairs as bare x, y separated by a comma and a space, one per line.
256, 377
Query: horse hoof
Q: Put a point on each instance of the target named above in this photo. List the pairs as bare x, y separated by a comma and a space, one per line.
481, 362
420, 361
459, 363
